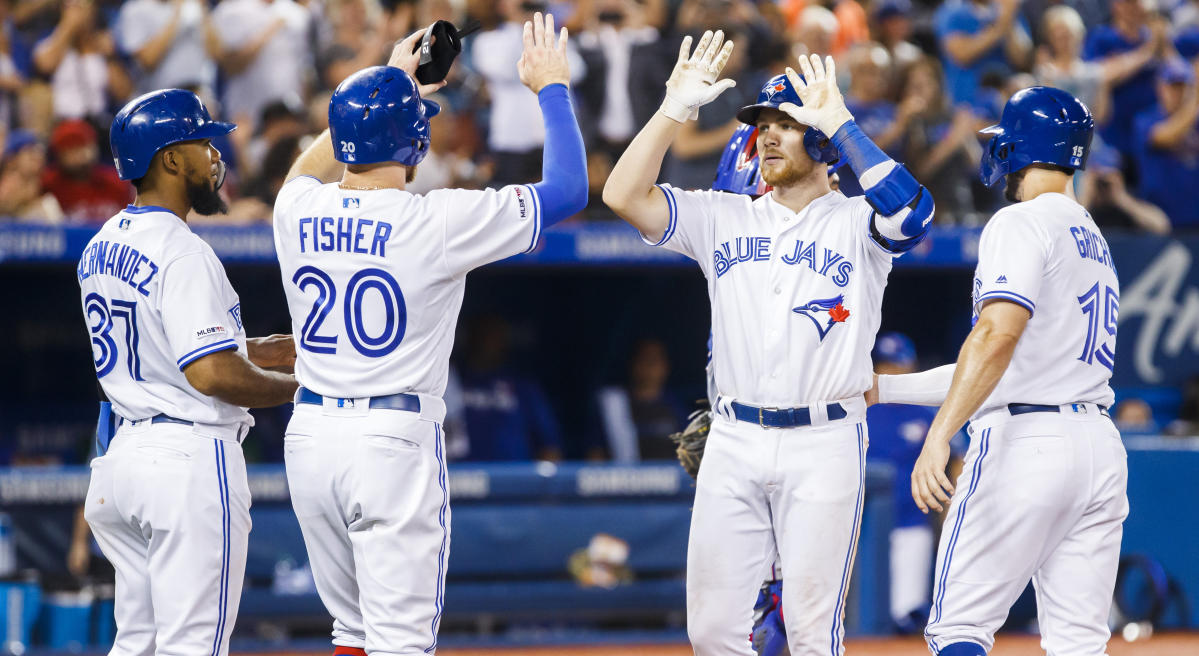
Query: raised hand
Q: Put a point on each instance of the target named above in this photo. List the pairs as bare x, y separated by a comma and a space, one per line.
823, 107
406, 57
543, 61
693, 82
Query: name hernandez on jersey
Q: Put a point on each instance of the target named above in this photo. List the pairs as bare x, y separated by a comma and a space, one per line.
156, 298
795, 297
1048, 256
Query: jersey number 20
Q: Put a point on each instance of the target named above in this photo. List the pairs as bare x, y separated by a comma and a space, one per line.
395, 314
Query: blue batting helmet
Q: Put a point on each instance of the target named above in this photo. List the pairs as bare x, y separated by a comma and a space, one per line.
1039, 125
895, 348
152, 121
738, 171
775, 92
377, 115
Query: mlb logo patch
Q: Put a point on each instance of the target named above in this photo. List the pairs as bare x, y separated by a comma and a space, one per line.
125, 223
349, 203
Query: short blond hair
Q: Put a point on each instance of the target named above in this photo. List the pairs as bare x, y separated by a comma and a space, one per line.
1068, 17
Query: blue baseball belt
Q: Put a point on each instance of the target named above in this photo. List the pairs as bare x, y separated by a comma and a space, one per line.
782, 417
401, 401
1026, 408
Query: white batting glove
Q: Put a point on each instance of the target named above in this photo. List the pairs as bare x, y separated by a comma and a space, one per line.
693, 83
823, 107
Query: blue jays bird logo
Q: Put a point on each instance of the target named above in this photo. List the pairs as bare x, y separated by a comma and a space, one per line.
818, 309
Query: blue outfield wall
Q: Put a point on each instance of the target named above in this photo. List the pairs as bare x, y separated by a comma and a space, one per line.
1158, 341
515, 526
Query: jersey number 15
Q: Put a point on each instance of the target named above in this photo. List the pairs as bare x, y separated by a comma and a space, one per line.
395, 315
1097, 317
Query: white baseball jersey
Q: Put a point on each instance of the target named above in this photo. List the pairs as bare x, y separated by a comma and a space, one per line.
1050, 248
375, 279
796, 297
155, 299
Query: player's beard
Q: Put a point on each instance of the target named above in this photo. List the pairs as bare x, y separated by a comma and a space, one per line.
786, 176
1011, 185
204, 196
410, 174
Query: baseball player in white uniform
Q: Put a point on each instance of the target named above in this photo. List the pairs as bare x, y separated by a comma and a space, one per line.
1042, 491
374, 278
168, 500
796, 280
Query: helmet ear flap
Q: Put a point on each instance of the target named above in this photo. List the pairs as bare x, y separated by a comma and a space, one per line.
820, 147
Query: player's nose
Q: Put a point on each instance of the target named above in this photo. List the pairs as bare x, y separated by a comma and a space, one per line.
214, 154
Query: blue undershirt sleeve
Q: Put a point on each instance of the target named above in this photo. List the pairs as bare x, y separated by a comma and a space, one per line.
563, 186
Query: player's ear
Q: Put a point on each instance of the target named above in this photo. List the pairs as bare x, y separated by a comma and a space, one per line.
172, 160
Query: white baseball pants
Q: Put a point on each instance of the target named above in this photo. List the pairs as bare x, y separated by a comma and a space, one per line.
170, 508
1042, 496
795, 489
370, 490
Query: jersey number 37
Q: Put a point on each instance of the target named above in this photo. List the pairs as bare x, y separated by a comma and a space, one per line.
357, 291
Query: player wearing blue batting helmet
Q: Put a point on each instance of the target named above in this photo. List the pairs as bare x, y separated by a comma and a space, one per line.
777, 91
150, 122
162, 141
1040, 125
377, 115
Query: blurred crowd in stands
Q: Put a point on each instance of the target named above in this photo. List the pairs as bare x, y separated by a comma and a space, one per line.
921, 76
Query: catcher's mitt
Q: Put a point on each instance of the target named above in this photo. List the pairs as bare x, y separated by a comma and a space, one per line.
692, 440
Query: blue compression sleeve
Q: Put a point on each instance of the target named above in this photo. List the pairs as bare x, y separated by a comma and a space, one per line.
563, 186
903, 207
860, 152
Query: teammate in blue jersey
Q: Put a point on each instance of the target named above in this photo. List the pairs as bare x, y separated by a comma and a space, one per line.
168, 501
896, 436
374, 277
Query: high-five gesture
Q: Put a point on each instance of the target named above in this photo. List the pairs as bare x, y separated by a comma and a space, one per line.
823, 107
543, 61
693, 83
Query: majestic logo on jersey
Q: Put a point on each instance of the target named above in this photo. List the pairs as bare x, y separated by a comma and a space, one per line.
1001, 280
824, 313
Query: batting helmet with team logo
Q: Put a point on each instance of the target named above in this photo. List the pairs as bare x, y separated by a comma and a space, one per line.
153, 121
738, 170
1039, 125
775, 92
377, 115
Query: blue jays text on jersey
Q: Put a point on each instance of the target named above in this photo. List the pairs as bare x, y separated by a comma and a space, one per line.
120, 261
343, 234
757, 249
